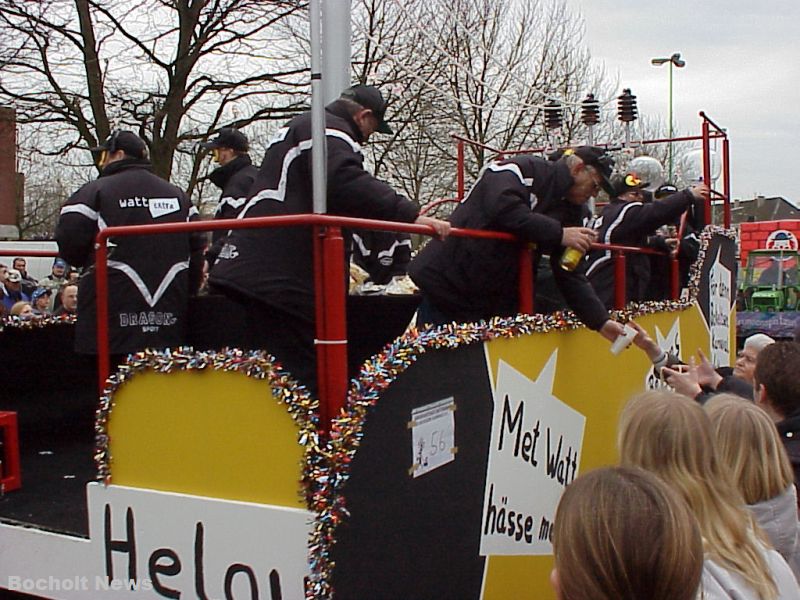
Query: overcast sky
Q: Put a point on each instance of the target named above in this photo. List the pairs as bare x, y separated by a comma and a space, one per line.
742, 68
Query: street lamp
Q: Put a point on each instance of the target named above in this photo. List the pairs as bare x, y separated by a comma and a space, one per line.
675, 60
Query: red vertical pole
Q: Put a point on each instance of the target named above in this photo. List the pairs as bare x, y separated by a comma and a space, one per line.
620, 285
525, 279
707, 168
318, 234
460, 174
10, 474
333, 342
726, 180
101, 301
674, 278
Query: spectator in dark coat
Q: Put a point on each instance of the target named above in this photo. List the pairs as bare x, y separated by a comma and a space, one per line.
777, 390
28, 283
69, 301
14, 291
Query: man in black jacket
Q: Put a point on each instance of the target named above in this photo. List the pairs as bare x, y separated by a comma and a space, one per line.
776, 387
270, 271
148, 276
686, 248
539, 201
628, 221
234, 177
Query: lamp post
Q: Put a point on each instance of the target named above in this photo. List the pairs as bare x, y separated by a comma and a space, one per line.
675, 60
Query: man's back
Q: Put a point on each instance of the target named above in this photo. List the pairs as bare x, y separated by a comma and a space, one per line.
148, 275
474, 279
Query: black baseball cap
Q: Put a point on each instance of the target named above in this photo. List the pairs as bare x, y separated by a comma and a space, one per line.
228, 137
369, 97
626, 183
126, 141
600, 160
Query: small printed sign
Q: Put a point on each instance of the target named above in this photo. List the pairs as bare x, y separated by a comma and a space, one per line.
433, 434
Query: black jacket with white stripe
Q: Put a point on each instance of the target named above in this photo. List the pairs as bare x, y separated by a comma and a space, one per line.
630, 224
382, 254
473, 279
148, 276
274, 265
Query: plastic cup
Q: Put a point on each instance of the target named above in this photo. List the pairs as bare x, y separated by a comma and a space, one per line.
624, 340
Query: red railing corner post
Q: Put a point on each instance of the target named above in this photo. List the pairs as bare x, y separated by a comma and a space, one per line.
674, 278
620, 285
331, 339
318, 235
101, 302
707, 168
726, 180
525, 279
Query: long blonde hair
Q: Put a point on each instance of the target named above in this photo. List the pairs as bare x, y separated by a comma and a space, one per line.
670, 435
622, 534
749, 445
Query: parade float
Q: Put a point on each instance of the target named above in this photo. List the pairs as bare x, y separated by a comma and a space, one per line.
207, 472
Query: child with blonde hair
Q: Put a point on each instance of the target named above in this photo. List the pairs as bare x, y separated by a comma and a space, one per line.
748, 443
670, 435
622, 534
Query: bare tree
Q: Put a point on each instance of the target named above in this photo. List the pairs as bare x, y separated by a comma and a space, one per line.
477, 68
171, 71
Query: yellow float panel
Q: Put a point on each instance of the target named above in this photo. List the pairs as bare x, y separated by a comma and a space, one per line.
206, 433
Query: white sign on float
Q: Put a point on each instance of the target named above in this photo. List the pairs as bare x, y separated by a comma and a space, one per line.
433, 431
191, 546
145, 544
719, 312
534, 454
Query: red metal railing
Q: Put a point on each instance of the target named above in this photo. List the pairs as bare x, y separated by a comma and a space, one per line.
710, 131
618, 253
30, 253
329, 285
329, 263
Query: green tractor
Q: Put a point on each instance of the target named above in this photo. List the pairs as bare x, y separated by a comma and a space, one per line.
769, 282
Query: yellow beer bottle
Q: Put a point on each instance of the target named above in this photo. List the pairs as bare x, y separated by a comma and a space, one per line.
571, 258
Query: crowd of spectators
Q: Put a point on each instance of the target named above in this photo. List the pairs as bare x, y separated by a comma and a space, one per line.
24, 297
704, 502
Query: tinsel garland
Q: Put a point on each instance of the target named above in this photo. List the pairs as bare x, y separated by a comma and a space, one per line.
303, 409
14, 322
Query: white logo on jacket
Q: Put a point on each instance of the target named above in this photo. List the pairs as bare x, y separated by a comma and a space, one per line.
163, 206
158, 207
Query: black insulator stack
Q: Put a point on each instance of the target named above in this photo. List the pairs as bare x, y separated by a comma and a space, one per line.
590, 111
626, 107
553, 115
